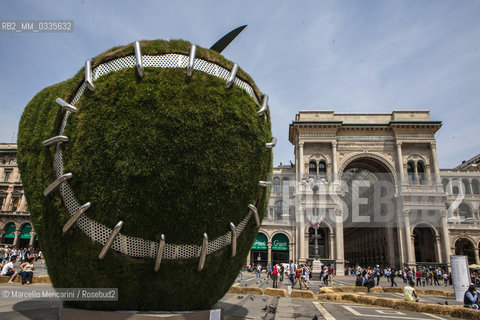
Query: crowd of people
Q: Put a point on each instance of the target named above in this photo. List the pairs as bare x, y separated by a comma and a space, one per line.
295, 273
433, 276
10, 256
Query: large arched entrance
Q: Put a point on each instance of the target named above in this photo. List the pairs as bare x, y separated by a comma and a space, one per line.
9, 234
259, 252
424, 243
25, 235
280, 249
318, 244
464, 247
370, 232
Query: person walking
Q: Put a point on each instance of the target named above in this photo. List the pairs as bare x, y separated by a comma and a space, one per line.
331, 272
274, 276
435, 278
305, 276
418, 275
445, 279
298, 277
281, 271
392, 277
370, 282
377, 274
292, 272
269, 272
325, 275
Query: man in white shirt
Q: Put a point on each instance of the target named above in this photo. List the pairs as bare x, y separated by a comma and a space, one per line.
292, 272
9, 270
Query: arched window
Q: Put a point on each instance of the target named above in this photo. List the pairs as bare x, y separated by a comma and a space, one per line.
322, 170
276, 184
464, 212
475, 186
312, 169
464, 247
455, 189
445, 184
410, 172
279, 210
421, 173
466, 186
285, 185
25, 232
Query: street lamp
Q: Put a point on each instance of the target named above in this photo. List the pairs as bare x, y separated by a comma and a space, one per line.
314, 219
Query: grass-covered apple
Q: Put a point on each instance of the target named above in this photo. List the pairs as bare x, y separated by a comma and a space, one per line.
166, 153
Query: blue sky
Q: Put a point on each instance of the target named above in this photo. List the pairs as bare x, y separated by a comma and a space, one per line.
346, 56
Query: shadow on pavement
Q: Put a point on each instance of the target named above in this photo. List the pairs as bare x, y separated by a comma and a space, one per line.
34, 309
233, 311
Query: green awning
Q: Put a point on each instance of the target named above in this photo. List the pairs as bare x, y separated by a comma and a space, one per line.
260, 242
10, 231
25, 234
280, 242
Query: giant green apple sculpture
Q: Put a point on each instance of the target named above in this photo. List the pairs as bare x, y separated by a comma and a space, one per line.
158, 161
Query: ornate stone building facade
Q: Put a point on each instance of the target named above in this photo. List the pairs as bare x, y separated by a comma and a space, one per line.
367, 189
15, 226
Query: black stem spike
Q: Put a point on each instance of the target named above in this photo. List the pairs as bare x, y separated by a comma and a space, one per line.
221, 44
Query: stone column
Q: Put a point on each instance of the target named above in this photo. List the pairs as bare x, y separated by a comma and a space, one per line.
301, 236
446, 238
391, 247
306, 253
291, 249
32, 238
470, 185
429, 175
477, 260
340, 269
331, 247
438, 249
23, 203
329, 173
300, 159
8, 202
269, 250
334, 161
297, 162
463, 187
450, 187
433, 148
408, 239
400, 163
399, 224
17, 236
415, 172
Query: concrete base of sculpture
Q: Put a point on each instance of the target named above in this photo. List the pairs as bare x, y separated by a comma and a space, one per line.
316, 269
79, 314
